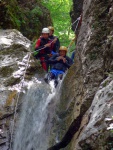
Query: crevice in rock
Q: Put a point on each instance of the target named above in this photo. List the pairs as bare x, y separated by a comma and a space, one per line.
73, 128
69, 134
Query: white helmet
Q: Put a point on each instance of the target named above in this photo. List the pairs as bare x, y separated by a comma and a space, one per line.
45, 30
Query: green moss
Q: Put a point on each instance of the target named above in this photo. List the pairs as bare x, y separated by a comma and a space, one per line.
14, 13
86, 147
6, 71
37, 11
100, 23
110, 142
10, 98
93, 56
6, 52
12, 81
28, 17
105, 83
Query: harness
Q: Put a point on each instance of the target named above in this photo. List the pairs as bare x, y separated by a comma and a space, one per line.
45, 51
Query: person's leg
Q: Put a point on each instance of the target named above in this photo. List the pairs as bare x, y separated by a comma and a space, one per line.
44, 64
59, 76
48, 77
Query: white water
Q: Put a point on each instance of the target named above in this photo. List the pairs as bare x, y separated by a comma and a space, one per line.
35, 120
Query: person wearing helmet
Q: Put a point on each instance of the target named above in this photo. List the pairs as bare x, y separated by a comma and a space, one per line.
56, 45
45, 47
60, 63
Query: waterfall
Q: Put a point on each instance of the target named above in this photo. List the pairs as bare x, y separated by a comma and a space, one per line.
36, 118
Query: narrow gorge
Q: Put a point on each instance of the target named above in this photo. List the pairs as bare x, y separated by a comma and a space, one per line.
78, 115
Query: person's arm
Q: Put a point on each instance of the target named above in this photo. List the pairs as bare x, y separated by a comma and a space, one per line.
53, 59
38, 45
68, 62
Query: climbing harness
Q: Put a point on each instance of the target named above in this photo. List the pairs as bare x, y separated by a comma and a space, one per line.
43, 47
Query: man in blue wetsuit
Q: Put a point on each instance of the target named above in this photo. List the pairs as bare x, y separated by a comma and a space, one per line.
59, 64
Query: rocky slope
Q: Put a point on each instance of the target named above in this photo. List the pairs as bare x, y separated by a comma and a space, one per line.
86, 105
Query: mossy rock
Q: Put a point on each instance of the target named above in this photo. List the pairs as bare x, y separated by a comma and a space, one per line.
6, 71
11, 81
10, 99
26, 16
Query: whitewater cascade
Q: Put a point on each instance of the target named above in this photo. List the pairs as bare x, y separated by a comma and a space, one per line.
36, 118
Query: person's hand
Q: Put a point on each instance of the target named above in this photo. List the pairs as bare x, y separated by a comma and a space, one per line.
59, 58
64, 60
47, 45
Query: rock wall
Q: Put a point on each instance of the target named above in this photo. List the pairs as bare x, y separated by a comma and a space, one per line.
86, 96
28, 16
14, 79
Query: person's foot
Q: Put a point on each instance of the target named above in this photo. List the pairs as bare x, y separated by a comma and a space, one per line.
60, 76
55, 83
46, 78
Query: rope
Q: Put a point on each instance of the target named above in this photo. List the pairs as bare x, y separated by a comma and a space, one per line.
78, 21
42, 47
77, 25
18, 95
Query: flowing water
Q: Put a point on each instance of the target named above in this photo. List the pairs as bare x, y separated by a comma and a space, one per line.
36, 118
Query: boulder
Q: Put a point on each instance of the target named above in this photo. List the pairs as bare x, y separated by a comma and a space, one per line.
17, 67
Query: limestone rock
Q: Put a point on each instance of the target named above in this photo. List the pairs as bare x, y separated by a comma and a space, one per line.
15, 55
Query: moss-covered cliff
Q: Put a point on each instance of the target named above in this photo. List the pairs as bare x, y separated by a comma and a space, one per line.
28, 16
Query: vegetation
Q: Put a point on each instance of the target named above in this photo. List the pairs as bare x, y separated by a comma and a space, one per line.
61, 19
26, 16
30, 17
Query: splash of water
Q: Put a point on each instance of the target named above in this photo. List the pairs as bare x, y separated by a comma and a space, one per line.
35, 120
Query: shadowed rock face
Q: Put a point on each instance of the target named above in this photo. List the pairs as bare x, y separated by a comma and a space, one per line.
85, 88
76, 11
14, 51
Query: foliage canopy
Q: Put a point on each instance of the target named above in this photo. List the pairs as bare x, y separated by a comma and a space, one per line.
60, 10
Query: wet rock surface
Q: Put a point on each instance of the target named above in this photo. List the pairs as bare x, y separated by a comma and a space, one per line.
87, 89
14, 55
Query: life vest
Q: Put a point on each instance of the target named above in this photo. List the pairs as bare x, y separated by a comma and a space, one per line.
46, 50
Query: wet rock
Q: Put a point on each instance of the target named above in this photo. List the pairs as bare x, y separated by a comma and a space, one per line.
15, 52
95, 133
87, 89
